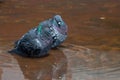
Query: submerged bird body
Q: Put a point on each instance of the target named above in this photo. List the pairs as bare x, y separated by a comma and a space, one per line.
39, 40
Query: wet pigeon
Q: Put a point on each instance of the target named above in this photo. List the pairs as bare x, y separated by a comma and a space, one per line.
39, 40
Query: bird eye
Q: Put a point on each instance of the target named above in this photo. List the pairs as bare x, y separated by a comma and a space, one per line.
59, 23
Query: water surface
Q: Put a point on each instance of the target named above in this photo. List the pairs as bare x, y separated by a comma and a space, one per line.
91, 51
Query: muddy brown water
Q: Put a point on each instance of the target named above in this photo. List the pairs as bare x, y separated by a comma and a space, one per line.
91, 51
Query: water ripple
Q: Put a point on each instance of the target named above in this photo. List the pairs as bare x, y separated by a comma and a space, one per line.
88, 64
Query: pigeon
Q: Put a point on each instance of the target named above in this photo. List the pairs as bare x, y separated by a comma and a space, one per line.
39, 40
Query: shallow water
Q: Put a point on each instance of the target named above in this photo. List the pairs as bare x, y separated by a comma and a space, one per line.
86, 64
91, 51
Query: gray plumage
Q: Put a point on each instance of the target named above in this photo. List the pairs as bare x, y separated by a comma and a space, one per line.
39, 40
